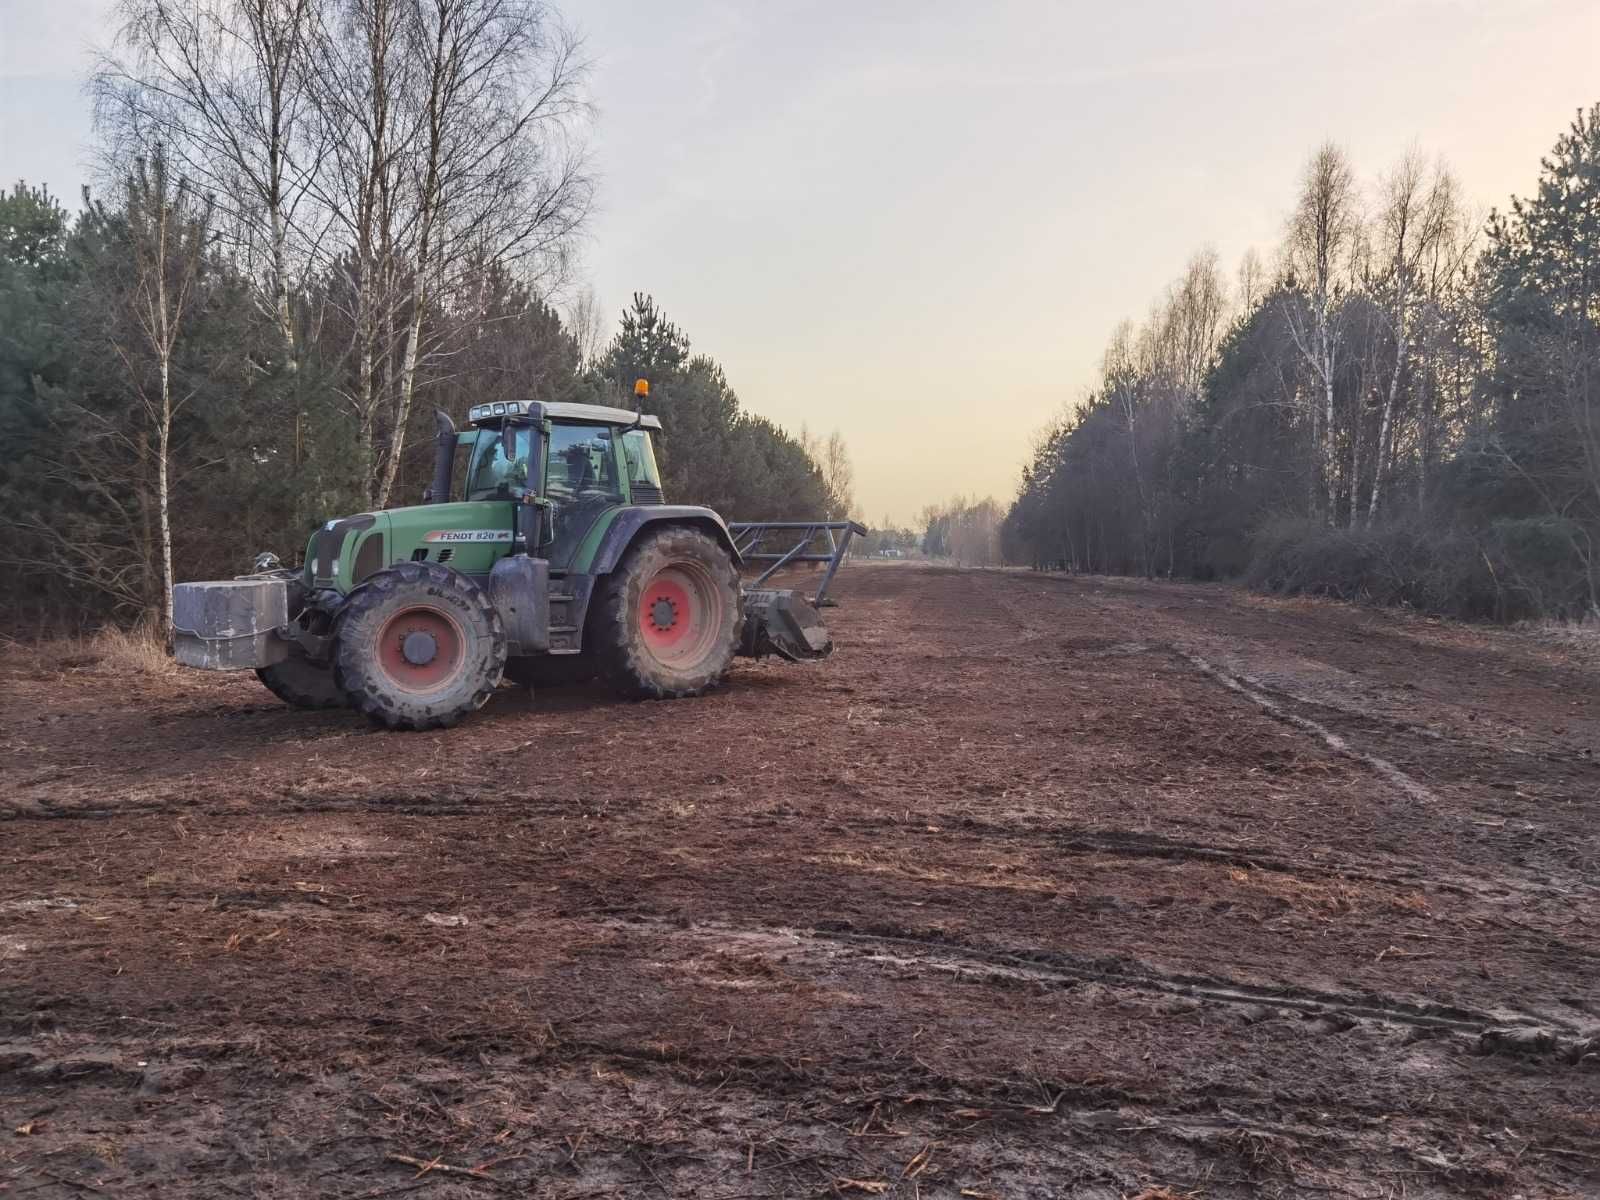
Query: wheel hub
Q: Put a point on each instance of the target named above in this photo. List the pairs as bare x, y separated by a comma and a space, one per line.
663, 613
680, 613
419, 648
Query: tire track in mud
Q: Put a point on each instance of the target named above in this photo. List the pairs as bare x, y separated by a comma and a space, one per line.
938, 954
1382, 767
266, 807
1078, 593
1280, 706
1120, 843
1131, 844
1067, 839
1314, 1123
1438, 807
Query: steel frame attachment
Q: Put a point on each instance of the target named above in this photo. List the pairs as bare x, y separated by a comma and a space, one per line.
808, 542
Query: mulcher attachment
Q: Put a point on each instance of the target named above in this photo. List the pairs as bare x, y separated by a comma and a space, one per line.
762, 543
784, 623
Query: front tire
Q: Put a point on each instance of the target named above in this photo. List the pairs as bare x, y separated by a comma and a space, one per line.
301, 683
419, 647
669, 618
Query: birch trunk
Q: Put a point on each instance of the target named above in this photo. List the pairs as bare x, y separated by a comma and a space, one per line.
280, 271
366, 401
408, 380
164, 513
163, 415
1386, 430
1356, 430
1330, 463
147, 532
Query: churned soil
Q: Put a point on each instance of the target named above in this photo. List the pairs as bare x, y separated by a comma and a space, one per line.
1040, 887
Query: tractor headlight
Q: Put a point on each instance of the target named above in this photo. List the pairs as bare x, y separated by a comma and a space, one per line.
514, 407
499, 410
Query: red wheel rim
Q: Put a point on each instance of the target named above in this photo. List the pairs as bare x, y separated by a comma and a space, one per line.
680, 614
420, 649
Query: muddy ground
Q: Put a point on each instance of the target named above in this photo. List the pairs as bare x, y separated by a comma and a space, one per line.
1040, 887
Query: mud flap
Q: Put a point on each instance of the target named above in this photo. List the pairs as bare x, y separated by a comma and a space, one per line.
784, 623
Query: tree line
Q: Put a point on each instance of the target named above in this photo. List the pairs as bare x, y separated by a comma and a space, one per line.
1403, 407
320, 220
965, 531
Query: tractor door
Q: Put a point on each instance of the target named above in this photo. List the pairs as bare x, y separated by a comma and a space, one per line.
581, 484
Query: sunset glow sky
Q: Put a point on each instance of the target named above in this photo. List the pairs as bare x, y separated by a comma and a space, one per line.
918, 222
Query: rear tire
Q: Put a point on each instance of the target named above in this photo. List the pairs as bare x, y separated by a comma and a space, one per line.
668, 619
301, 683
419, 647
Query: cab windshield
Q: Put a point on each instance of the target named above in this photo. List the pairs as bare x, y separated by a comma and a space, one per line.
499, 466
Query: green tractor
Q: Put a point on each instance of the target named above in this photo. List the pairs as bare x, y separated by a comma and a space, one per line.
560, 562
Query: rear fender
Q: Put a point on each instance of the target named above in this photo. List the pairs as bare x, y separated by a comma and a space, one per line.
631, 522
569, 610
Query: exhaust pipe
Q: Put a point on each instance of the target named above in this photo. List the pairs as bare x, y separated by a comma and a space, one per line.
444, 458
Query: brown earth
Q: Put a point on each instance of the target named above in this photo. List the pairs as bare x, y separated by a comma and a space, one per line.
1039, 887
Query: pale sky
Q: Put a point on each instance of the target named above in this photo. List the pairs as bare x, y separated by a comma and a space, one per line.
918, 222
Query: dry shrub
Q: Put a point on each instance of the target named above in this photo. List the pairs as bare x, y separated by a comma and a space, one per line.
1579, 640
1509, 571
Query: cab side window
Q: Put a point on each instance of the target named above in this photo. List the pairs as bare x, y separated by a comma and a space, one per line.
581, 483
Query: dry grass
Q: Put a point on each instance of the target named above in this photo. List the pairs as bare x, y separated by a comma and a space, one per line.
111, 651
1337, 896
1578, 640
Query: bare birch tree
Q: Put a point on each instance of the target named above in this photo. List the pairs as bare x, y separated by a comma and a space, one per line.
364, 106
168, 228
1122, 378
1252, 281
220, 87
454, 129
1196, 308
1417, 212
399, 147
495, 175
587, 324
838, 476
1323, 232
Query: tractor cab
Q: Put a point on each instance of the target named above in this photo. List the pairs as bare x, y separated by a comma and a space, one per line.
572, 463
584, 446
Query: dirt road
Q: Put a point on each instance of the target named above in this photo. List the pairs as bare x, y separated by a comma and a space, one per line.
1040, 887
